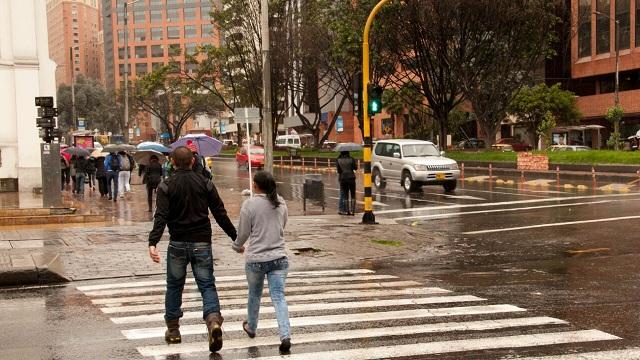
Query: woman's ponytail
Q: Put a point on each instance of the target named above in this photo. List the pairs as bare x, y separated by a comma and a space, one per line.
267, 184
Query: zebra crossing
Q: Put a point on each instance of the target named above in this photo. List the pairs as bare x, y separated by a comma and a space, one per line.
358, 311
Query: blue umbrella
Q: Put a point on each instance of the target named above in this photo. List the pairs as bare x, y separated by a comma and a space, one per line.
150, 145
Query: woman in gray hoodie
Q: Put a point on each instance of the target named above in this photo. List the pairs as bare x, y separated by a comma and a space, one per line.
262, 221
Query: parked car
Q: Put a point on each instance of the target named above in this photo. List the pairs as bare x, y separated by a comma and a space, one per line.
413, 163
471, 144
257, 157
569, 148
516, 144
502, 147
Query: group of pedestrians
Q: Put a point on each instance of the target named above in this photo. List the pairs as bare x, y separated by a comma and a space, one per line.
117, 171
75, 171
184, 200
112, 174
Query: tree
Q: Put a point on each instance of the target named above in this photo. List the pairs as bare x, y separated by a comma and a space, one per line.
409, 103
531, 105
547, 124
614, 116
505, 52
99, 108
167, 95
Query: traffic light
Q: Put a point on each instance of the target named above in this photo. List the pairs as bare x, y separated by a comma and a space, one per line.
45, 120
375, 99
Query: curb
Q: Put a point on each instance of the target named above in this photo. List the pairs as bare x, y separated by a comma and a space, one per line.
36, 269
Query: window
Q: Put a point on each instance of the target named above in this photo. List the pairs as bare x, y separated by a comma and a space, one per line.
205, 11
156, 2
174, 49
141, 52
190, 31
623, 15
141, 69
139, 17
157, 51
120, 36
190, 48
121, 69
189, 14
156, 34
156, 65
173, 32
140, 34
155, 16
191, 67
603, 44
120, 17
173, 15
172, 2
584, 30
191, 1
207, 30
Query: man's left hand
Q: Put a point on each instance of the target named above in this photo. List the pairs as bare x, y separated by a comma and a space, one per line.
153, 254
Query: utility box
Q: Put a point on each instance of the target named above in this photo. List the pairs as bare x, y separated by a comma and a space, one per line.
313, 190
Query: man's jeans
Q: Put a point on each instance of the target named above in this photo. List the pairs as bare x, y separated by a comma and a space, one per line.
342, 208
80, 182
179, 255
276, 272
112, 175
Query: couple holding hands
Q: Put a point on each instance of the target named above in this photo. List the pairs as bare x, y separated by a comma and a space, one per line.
183, 204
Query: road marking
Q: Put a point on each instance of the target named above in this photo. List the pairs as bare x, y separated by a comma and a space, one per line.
626, 354
164, 350
156, 332
290, 298
240, 284
375, 203
534, 191
225, 278
551, 225
243, 292
444, 216
451, 346
517, 193
308, 307
500, 203
398, 197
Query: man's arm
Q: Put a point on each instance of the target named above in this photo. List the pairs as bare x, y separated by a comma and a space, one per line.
161, 215
219, 212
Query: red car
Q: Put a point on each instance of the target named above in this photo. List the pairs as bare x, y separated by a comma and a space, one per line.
257, 157
517, 145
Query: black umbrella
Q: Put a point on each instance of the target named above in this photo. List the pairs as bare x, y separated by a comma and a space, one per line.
76, 151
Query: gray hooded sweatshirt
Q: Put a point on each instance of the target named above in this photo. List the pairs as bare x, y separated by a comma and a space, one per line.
262, 229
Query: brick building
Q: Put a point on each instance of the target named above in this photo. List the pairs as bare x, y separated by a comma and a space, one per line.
593, 60
74, 28
159, 32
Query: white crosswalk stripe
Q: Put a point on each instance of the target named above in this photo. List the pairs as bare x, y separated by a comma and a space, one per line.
356, 304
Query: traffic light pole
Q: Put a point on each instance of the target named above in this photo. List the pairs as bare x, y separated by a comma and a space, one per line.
368, 217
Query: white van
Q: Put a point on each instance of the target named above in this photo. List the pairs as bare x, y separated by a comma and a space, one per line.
291, 141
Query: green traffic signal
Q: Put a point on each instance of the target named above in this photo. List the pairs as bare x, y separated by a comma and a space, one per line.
375, 99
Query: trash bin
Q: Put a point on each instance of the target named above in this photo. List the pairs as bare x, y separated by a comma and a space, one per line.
313, 190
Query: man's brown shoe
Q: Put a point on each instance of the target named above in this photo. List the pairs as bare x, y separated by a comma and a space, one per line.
214, 329
172, 335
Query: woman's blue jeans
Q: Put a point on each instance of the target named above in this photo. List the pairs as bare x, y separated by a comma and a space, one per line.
179, 255
276, 273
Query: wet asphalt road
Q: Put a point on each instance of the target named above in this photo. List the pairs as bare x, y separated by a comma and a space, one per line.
568, 254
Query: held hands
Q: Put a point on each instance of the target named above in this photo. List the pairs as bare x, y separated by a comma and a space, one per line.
153, 254
239, 250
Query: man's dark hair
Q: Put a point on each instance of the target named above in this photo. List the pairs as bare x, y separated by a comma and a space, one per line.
182, 157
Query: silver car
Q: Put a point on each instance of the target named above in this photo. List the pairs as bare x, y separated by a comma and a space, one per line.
413, 163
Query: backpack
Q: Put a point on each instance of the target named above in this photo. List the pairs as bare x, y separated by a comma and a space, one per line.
114, 163
125, 164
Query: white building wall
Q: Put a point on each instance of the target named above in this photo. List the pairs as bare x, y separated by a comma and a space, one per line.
25, 72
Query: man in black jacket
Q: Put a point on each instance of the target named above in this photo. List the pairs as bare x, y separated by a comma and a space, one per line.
183, 203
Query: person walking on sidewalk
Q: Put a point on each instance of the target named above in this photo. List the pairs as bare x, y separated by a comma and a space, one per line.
183, 204
91, 173
347, 176
262, 221
124, 176
112, 167
101, 176
81, 173
64, 173
72, 173
152, 178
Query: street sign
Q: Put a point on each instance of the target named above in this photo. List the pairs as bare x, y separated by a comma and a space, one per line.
81, 124
44, 101
138, 132
339, 124
47, 112
247, 115
223, 128
130, 132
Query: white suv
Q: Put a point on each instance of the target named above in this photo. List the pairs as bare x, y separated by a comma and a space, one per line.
414, 163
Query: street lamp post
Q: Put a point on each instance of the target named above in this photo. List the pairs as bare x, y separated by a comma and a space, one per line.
267, 123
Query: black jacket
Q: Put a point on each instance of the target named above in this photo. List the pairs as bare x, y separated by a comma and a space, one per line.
81, 165
346, 168
183, 204
152, 174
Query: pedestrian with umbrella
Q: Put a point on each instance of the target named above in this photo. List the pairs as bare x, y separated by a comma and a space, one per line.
64, 172
152, 162
81, 173
101, 176
91, 173
112, 167
347, 166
